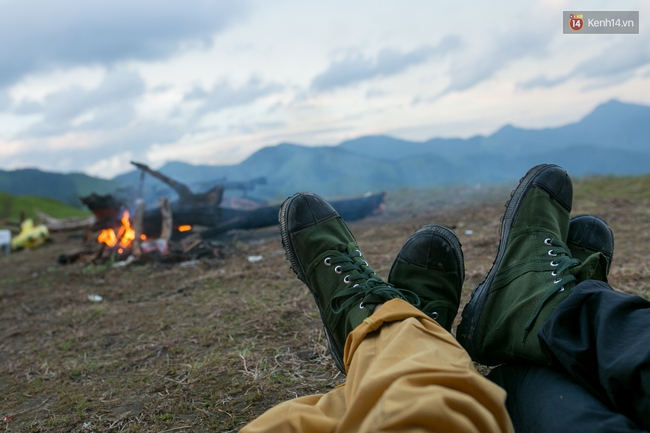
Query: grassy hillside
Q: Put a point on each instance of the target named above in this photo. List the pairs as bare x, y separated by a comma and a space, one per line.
11, 206
632, 187
211, 346
66, 188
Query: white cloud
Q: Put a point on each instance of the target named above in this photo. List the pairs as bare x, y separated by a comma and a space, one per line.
355, 67
37, 35
614, 64
113, 164
211, 82
483, 59
223, 95
109, 105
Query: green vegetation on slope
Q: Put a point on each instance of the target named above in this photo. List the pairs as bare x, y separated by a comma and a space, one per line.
631, 187
11, 206
67, 188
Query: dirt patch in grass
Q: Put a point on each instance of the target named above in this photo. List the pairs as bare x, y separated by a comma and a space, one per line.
209, 347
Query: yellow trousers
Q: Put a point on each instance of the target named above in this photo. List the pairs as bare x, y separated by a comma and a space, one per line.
405, 374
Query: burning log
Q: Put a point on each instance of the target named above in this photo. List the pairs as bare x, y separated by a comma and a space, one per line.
220, 220
217, 219
204, 210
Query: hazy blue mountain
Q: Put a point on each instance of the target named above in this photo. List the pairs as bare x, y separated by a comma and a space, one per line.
614, 139
613, 125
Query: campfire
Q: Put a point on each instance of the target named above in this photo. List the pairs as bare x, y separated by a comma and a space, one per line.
153, 235
124, 236
129, 241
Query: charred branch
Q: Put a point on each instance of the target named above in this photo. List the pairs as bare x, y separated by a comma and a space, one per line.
106, 208
185, 196
138, 222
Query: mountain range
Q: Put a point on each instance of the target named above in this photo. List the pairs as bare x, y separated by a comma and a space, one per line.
614, 139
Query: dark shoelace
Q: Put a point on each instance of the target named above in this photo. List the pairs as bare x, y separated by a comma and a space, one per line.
365, 287
561, 262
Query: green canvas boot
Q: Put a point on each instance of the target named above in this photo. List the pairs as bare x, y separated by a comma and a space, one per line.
532, 273
589, 234
431, 265
325, 256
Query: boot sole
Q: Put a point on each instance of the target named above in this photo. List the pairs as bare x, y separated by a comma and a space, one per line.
466, 332
289, 253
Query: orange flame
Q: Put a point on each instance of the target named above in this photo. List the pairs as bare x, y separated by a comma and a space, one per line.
124, 235
184, 228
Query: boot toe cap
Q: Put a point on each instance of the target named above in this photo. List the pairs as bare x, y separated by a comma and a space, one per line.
429, 248
306, 210
556, 181
591, 232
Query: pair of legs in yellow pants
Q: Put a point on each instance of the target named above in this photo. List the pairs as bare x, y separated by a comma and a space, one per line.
405, 373
405, 370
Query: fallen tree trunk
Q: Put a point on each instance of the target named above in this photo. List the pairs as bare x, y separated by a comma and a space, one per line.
72, 223
220, 220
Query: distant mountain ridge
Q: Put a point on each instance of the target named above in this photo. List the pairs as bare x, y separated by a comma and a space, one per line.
614, 139
612, 125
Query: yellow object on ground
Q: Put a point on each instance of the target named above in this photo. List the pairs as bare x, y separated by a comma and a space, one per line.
30, 236
406, 373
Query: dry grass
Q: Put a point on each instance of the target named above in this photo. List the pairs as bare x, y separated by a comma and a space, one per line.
209, 347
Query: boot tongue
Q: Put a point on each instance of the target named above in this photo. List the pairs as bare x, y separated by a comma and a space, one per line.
593, 267
443, 312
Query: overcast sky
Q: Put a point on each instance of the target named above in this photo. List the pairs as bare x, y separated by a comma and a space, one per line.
90, 85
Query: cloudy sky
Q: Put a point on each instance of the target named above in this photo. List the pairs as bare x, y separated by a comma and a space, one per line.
90, 85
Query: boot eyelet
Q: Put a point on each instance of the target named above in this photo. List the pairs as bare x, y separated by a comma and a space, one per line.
552, 253
365, 263
557, 280
554, 273
359, 251
434, 315
355, 285
561, 289
338, 269
362, 305
346, 279
554, 263
328, 261
547, 241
